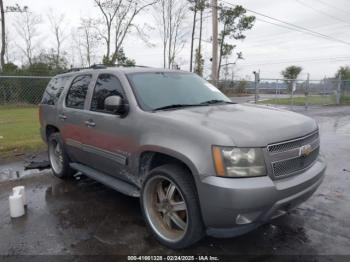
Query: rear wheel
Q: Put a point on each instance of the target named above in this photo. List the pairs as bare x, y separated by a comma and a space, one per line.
58, 157
170, 207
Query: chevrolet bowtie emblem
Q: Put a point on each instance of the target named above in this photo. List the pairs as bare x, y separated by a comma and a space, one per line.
305, 150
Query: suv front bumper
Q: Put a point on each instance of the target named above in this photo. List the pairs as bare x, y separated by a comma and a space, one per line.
232, 206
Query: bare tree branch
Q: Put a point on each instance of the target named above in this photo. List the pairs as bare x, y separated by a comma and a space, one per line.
27, 29
57, 26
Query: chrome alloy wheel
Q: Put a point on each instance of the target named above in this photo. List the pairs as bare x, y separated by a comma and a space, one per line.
165, 208
56, 156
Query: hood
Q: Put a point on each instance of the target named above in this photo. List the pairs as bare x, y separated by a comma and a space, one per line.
247, 125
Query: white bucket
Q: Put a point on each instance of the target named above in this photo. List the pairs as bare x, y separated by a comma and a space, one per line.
22, 191
16, 203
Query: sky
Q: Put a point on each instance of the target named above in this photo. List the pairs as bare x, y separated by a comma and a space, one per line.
267, 47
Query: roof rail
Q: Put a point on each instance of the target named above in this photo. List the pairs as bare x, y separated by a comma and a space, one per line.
99, 66
132, 66
77, 69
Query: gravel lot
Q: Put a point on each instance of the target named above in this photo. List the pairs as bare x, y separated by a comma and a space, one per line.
83, 217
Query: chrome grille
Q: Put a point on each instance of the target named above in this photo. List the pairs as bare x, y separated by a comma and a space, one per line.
296, 143
291, 166
286, 158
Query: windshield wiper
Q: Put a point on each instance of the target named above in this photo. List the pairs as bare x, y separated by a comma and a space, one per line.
175, 106
215, 101
206, 103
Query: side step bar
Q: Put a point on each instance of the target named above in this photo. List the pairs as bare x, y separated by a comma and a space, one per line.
112, 182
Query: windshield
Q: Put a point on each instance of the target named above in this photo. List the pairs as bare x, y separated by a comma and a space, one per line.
163, 89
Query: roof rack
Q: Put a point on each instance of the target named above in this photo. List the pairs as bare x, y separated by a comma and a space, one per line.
100, 66
77, 69
118, 65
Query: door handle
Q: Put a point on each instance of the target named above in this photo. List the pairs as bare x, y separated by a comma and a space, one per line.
90, 123
62, 117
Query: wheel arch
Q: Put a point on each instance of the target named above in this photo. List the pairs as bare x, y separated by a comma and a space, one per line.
50, 129
151, 158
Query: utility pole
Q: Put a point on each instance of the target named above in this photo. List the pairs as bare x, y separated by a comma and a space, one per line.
3, 36
214, 69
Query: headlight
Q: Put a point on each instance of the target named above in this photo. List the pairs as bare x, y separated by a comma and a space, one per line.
239, 162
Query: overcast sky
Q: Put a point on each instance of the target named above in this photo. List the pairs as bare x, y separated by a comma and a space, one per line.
268, 48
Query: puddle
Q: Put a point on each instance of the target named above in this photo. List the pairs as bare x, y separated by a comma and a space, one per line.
30, 166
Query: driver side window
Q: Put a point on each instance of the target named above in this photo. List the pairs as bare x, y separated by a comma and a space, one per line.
107, 85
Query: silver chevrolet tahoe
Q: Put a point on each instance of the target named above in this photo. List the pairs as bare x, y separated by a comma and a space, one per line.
199, 163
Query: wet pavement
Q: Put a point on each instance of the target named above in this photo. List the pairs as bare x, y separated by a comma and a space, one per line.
83, 217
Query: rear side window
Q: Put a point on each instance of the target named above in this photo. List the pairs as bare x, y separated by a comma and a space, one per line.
106, 86
77, 92
54, 90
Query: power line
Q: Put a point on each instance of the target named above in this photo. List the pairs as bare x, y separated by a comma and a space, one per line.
285, 27
332, 6
322, 12
335, 59
296, 27
262, 41
273, 37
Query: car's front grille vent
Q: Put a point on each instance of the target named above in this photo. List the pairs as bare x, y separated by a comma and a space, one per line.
284, 146
294, 156
287, 167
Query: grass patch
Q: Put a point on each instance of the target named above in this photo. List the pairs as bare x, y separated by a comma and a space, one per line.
19, 130
312, 100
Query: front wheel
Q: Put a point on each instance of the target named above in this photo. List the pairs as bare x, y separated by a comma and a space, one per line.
170, 207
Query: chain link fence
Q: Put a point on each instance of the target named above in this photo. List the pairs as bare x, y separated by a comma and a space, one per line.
28, 90
22, 90
289, 93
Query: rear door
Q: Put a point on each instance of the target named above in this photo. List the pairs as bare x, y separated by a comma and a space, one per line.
72, 117
109, 136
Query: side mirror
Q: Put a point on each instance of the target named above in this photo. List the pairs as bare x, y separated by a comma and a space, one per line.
114, 104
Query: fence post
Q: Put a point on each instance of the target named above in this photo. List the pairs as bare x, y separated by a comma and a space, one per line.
294, 88
256, 82
307, 92
339, 89
276, 87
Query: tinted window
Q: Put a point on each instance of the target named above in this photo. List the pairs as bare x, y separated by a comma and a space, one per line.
155, 90
106, 85
77, 92
54, 90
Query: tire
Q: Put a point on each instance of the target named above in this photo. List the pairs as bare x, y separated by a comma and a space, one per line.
58, 157
170, 207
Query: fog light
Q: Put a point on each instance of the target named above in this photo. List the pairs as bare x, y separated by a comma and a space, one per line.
242, 220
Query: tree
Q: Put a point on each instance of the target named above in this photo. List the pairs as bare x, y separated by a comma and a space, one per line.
122, 60
234, 22
194, 9
9, 9
57, 28
199, 63
87, 40
201, 7
290, 74
49, 58
117, 20
27, 29
170, 16
344, 71
196, 6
